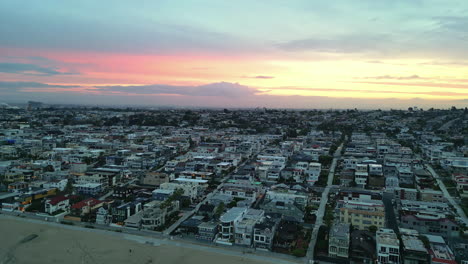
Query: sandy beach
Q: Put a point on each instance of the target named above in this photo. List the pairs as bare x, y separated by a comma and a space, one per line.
56, 244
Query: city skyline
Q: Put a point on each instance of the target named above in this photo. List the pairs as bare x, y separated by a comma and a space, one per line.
287, 54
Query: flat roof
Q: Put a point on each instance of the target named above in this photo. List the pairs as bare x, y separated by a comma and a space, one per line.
6, 195
413, 243
232, 214
191, 180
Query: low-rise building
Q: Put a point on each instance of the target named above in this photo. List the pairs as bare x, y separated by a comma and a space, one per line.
57, 203
338, 243
388, 247
426, 222
440, 251
406, 194
264, 233
432, 196
207, 231
228, 221
91, 189
362, 248
154, 178
414, 251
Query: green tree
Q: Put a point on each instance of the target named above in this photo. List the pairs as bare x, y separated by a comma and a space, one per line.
49, 168
220, 209
325, 160
373, 229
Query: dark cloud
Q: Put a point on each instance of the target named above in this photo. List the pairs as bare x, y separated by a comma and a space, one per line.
30, 69
12, 86
21, 29
221, 89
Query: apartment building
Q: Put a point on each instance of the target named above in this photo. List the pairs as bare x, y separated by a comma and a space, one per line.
338, 244
388, 247
362, 214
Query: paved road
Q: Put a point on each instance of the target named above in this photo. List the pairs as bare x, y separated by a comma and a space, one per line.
390, 218
321, 211
460, 211
447, 125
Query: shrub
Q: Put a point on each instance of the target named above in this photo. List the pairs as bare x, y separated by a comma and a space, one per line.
299, 252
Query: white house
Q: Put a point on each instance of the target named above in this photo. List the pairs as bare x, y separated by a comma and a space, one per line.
57, 203
59, 184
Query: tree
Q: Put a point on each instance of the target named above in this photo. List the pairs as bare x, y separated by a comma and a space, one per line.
325, 160
373, 229
299, 252
69, 187
176, 195
49, 168
220, 209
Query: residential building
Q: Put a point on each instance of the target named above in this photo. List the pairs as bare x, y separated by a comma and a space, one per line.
52, 205
426, 222
154, 178
264, 232
362, 215
86, 206
154, 216
207, 231
406, 194
59, 184
414, 251
440, 252
103, 217
432, 196
91, 189
313, 172
362, 248
243, 229
405, 175
338, 242
228, 221
388, 247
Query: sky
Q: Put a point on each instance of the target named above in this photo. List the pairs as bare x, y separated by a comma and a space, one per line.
265, 53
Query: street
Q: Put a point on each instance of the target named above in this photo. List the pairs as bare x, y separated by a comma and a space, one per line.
441, 184
321, 211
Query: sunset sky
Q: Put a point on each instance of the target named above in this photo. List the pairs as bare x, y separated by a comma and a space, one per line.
300, 54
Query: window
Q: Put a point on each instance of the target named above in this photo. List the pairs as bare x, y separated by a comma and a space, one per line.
383, 249
394, 259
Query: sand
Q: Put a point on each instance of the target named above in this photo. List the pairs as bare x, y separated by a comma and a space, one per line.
57, 244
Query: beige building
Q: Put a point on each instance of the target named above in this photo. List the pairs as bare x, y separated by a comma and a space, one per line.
362, 215
154, 178
432, 196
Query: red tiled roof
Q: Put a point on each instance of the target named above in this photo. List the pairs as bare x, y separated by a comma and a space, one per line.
57, 199
90, 201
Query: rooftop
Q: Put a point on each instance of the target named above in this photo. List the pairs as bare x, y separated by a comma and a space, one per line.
233, 213
413, 243
340, 230
387, 237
